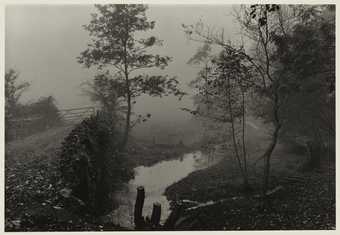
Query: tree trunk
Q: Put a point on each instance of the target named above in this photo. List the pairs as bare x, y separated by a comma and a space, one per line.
268, 153
128, 93
233, 131
246, 182
127, 122
267, 157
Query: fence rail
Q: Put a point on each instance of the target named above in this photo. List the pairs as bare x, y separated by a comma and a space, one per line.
25, 126
76, 114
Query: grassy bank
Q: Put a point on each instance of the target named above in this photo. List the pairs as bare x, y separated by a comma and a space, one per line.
32, 183
306, 199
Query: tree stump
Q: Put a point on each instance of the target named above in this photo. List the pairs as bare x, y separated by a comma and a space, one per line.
156, 214
138, 213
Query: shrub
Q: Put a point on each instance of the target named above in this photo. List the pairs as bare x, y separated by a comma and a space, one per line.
91, 164
28, 119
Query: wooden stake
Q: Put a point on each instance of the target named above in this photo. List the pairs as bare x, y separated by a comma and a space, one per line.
156, 214
138, 213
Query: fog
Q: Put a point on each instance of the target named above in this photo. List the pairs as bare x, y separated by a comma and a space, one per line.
43, 41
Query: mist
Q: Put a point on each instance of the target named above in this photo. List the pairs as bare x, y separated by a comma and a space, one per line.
226, 123
43, 42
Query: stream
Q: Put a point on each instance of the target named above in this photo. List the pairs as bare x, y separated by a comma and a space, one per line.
156, 179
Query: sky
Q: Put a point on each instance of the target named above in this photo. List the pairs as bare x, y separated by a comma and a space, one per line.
42, 43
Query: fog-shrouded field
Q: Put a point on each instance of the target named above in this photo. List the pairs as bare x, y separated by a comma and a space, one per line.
169, 117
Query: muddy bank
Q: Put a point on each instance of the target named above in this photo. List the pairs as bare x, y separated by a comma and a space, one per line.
216, 182
305, 202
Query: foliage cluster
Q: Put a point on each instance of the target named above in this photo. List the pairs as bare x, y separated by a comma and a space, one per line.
290, 76
118, 49
91, 164
25, 119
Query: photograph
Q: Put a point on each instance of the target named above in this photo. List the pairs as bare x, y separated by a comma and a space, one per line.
169, 117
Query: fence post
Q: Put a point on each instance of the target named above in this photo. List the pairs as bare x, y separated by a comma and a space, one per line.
156, 214
138, 213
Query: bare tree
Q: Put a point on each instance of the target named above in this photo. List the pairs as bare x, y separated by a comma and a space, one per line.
222, 84
258, 25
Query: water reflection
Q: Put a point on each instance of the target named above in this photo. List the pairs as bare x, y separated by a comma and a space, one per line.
155, 180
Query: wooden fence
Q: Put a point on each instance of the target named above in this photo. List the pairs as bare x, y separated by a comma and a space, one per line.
75, 115
22, 127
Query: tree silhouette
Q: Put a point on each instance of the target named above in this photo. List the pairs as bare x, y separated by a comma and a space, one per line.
115, 45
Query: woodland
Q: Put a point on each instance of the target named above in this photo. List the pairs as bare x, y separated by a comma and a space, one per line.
263, 106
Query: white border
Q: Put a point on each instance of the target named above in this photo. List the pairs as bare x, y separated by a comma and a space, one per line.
177, 2
183, 2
